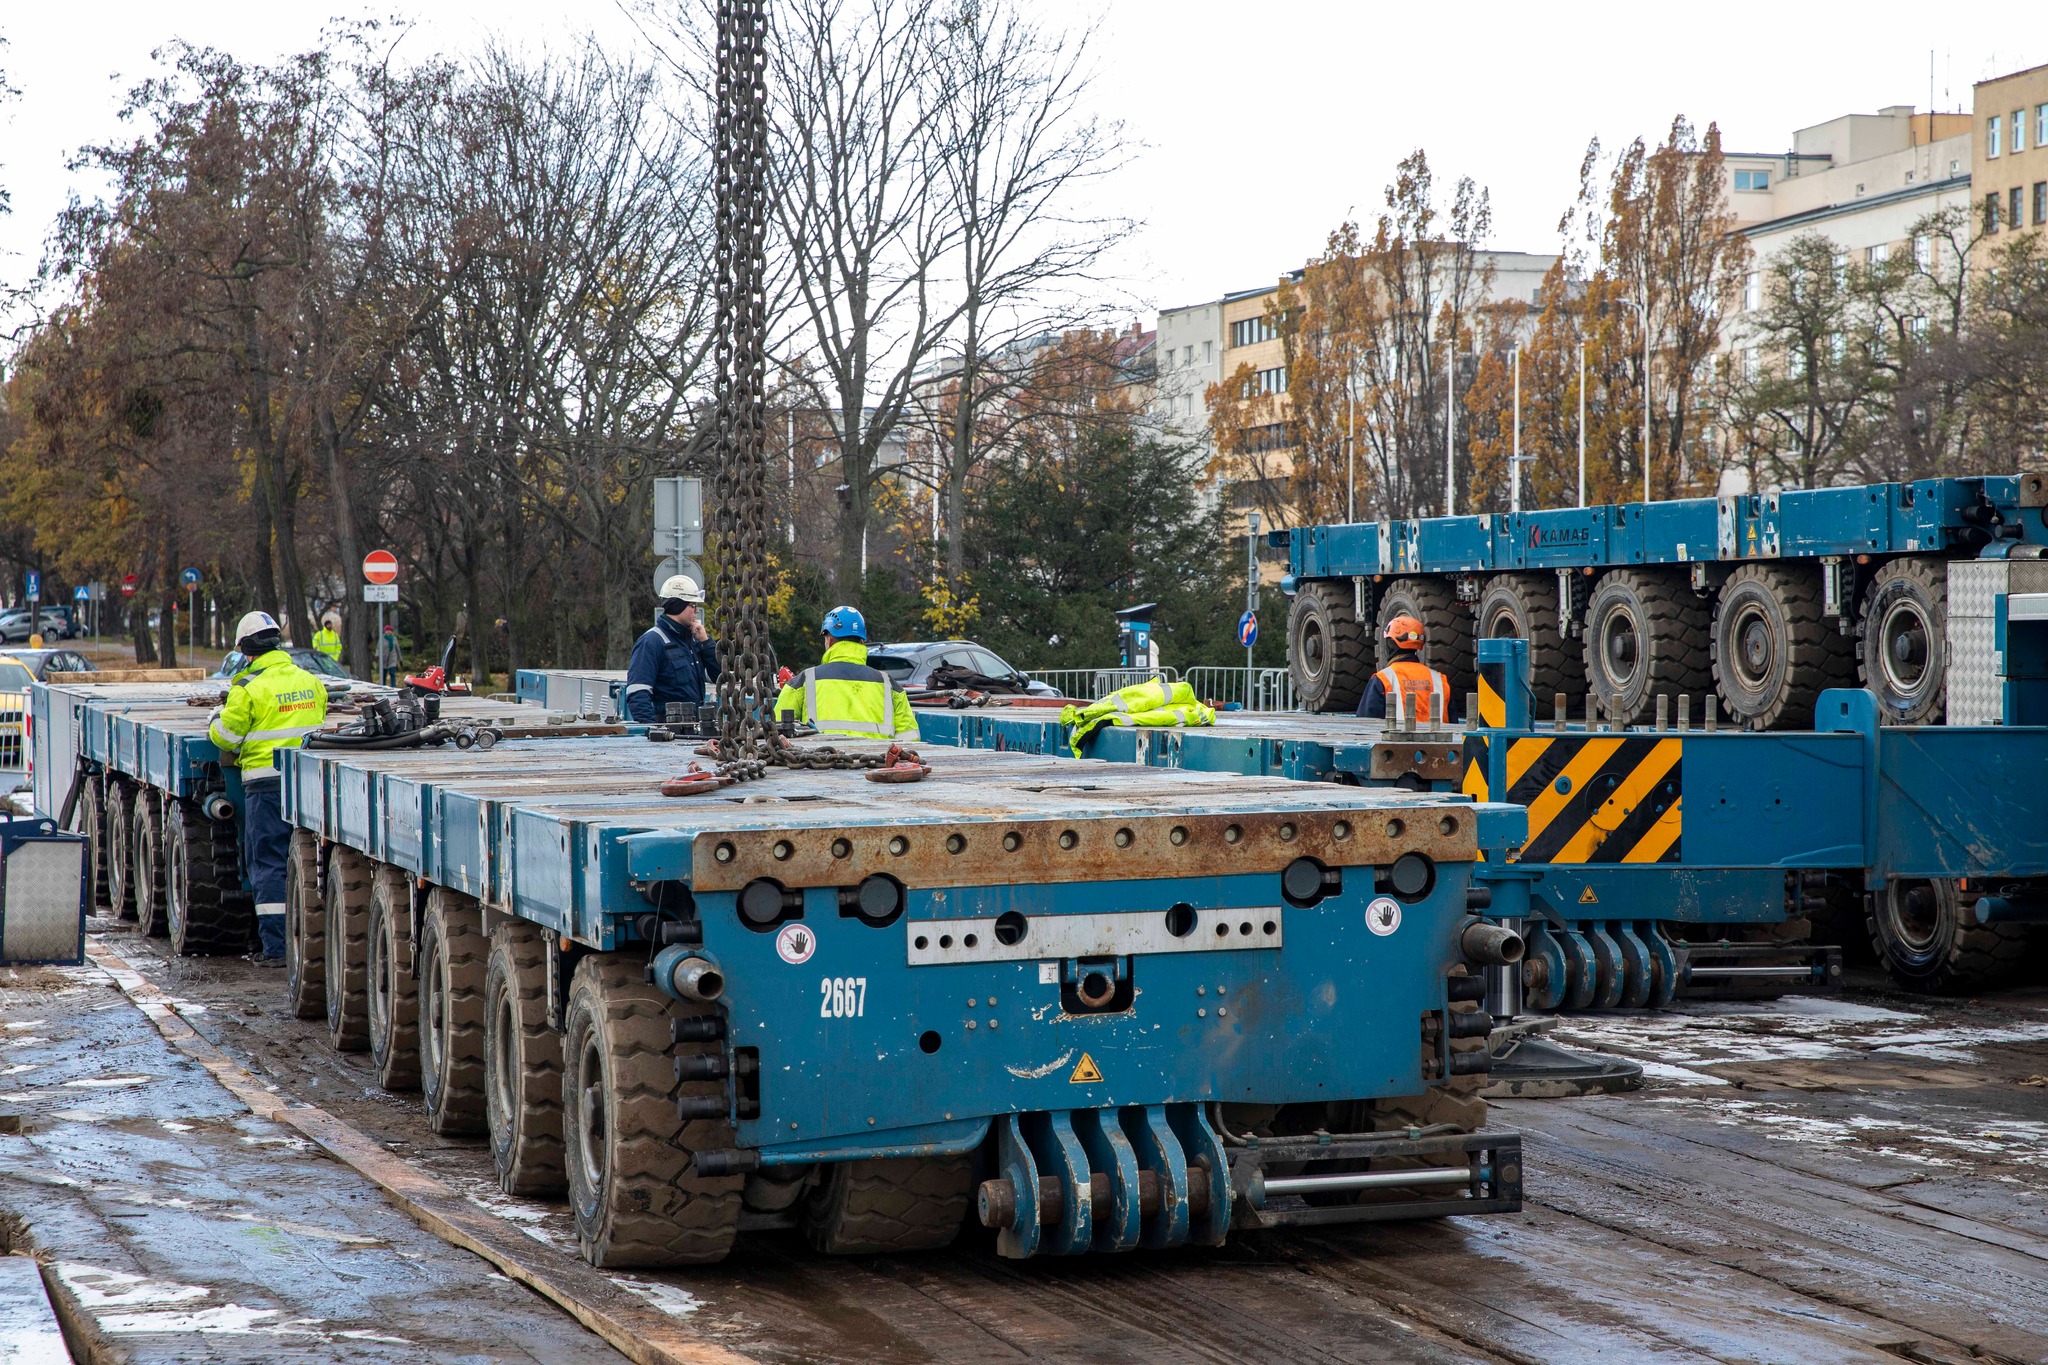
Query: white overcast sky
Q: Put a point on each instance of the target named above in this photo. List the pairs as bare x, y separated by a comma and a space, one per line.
1258, 125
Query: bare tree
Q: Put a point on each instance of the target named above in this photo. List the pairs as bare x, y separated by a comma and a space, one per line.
1014, 145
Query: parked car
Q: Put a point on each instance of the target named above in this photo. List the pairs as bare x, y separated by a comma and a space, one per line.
312, 660
17, 624
958, 663
18, 666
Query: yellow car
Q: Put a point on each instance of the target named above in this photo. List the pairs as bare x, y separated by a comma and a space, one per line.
19, 667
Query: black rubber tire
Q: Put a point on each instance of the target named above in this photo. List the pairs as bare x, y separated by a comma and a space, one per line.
394, 990
1905, 611
119, 819
635, 1200
522, 1065
1668, 627
146, 870
92, 824
1774, 652
1327, 653
902, 1204
453, 957
305, 929
1446, 629
1923, 934
347, 957
202, 917
1523, 606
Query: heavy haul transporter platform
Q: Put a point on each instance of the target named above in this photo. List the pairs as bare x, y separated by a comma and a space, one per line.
1101, 1011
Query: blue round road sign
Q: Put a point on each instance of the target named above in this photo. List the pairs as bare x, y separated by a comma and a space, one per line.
190, 578
1248, 629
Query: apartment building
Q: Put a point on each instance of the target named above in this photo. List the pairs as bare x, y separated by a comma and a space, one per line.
2010, 182
1201, 344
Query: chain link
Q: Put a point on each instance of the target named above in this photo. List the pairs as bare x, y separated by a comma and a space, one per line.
747, 742
740, 510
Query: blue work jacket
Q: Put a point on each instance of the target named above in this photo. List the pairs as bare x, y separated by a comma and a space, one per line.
669, 665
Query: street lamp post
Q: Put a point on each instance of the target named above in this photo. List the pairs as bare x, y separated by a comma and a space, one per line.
1582, 424
1642, 307
1515, 459
1451, 426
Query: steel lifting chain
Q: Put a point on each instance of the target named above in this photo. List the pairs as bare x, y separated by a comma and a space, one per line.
747, 741
740, 509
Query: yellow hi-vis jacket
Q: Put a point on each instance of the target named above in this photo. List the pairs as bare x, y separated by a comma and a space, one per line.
328, 643
843, 696
272, 704
1154, 702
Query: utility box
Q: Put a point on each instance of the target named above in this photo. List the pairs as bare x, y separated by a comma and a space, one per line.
2023, 657
1976, 676
42, 893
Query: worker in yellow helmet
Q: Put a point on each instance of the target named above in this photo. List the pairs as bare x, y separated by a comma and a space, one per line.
1407, 687
842, 695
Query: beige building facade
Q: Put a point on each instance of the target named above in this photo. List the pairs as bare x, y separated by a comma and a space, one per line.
2010, 181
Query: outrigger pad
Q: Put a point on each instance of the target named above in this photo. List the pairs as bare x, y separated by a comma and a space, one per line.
1529, 1067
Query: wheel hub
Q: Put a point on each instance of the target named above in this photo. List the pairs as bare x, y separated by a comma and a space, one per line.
1903, 647
1754, 650
1621, 646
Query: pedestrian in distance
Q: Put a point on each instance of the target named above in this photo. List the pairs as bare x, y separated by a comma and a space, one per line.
1407, 686
272, 704
327, 639
387, 656
842, 695
676, 660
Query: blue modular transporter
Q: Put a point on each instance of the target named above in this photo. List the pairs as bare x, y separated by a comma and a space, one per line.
1674, 857
1103, 1008
1760, 601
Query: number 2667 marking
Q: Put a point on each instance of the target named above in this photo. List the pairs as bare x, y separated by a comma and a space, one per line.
845, 997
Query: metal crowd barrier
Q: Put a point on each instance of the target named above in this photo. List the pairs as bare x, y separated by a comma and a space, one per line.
1269, 689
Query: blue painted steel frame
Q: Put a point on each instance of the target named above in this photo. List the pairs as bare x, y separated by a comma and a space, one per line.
1924, 517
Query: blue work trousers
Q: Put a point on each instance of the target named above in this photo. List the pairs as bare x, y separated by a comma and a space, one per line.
266, 844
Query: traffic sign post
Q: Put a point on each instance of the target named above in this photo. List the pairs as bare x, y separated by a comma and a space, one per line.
1248, 624
380, 572
35, 615
190, 578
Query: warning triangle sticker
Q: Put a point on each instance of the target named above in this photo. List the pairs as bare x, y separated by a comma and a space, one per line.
1587, 897
1085, 1071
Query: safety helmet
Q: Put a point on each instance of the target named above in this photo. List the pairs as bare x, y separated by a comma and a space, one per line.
257, 623
1405, 631
257, 633
681, 587
845, 623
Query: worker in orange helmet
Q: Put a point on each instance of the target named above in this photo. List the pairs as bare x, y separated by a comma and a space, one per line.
1407, 686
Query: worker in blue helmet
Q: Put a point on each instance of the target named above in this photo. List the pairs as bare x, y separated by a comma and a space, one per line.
842, 695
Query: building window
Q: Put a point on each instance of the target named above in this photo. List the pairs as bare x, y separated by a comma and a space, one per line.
1259, 440
2041, 125
1753, 292
1923, 253
1752, 180
1187, 355
1208, 352
1166, 361
1955, 166
1991, 131
1917, 329
2019, 130
1251, 331
2040, 202
1841, 270
2013, 216
1273, 380
1991, 212
1874, 256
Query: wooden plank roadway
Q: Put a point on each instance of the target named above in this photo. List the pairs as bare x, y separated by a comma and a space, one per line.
1682, 1224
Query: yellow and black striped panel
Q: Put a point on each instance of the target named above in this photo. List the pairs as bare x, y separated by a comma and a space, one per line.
1591, 798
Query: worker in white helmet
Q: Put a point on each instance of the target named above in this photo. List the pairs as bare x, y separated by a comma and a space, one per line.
272, 704
677, 660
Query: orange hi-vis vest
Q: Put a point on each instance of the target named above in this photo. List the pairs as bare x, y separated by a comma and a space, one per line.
1415, 692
